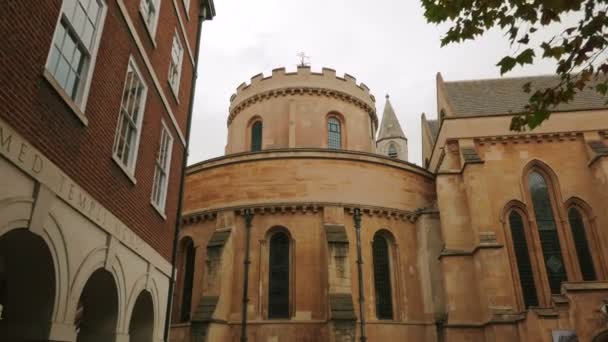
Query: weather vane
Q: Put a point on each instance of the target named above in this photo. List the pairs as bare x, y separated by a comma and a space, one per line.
304, 60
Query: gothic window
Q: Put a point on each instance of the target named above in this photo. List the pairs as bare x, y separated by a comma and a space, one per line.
334, 133
392, 151
278, 282
256, 136
189, 254
547, 231
581, 244
382, 277
522, 257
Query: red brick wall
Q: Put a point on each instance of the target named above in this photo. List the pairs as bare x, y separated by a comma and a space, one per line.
35, 110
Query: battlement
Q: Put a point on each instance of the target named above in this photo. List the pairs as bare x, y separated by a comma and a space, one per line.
324, 82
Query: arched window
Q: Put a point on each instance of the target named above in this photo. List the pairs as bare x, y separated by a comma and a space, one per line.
522, 256
256, 136
547, 231
189, 256
392, 151
382, 277
278, 282
581, 244
334, 133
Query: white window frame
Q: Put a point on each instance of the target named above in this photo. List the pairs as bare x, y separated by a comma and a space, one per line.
82, 93
160, 206
151, 27
187, 8
130, 168
176, 84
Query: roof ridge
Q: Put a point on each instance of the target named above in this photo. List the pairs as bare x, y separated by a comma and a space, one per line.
502, 78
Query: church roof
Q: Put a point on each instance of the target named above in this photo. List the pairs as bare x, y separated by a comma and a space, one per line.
390, 127
434, 128
506, 96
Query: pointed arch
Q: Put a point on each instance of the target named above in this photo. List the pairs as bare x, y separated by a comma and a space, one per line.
587, 243
255, 129
280, 273
393, 150
518, 241
383, 265
187, 253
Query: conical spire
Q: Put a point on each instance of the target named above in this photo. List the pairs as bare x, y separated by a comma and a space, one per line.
390, 127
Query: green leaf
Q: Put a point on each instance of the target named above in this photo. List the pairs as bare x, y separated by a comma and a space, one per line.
526, 57
506, 64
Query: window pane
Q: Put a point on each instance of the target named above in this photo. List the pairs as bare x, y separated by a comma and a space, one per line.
522, 256
392, 151
256, 136
581, 244
549, 239
334, 135
61, 74
87, 35
94, 11
78, 20
278, 284
382, 278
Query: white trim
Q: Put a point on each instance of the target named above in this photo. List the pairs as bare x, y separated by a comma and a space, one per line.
187, 5
184, 33
180, 65
148, 64
130, 168
82, 95
151, 30
162, 209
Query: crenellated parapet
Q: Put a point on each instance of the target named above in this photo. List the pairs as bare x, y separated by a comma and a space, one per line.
303, 82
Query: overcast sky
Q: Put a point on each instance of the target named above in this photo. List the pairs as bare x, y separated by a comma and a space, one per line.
386, 44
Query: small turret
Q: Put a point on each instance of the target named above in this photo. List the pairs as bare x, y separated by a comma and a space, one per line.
391, 139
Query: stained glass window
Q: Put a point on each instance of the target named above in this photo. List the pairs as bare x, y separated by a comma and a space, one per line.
256, 136
278, 284
547, 231
581, 244
188, 279
382, 278
522, 256
334, 137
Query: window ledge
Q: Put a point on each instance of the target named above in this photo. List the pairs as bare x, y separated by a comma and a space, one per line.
174, 92
158, 210
124, 169
148, 29
65, 97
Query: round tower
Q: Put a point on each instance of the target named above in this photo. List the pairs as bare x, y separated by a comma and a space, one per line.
302, 109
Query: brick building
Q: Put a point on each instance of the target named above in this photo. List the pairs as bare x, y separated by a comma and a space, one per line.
312, 228
95, 106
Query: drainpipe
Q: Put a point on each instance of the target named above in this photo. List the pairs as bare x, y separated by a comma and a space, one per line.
248, 219
168, 311
357, 218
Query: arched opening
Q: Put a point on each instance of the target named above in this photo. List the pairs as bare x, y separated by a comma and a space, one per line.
392, 151
547, 230
382, 277
97, 312
27, 286
141, 328
522, 258
334, 133
256, 136
581, 244
188, 259
278, 276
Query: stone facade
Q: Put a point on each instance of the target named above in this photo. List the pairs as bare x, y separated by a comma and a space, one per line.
85, 250
377, 247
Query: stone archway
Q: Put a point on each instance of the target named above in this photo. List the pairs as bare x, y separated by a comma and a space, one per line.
27, 286
141, 327
97, 313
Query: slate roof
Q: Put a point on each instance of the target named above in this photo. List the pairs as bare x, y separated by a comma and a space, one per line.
390, 127
434, 128
506, 96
